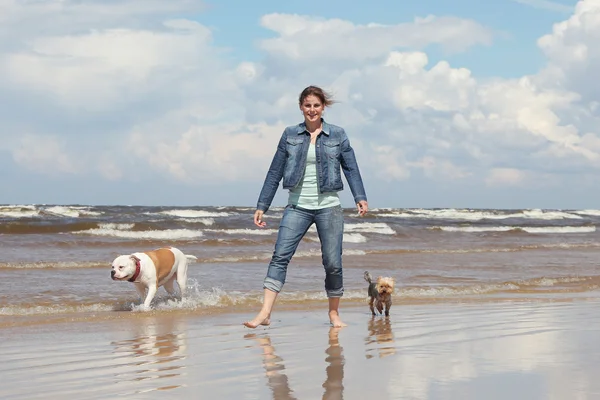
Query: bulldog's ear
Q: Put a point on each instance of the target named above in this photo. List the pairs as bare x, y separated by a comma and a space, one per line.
134, 258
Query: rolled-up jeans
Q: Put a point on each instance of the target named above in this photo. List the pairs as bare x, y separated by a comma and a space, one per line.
294, 224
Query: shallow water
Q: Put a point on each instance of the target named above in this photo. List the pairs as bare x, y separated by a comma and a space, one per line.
55, 260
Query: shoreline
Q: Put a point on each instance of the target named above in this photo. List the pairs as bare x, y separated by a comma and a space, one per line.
120, 313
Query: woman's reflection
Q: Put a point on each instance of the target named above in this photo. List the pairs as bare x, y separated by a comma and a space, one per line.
334, 387
273, 365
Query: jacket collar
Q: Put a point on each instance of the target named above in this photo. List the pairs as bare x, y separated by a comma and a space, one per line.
302, 127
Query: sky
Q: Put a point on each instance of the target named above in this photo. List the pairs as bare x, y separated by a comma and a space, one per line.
461, 104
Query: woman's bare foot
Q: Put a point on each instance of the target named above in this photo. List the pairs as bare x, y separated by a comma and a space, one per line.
260, 319
334, 318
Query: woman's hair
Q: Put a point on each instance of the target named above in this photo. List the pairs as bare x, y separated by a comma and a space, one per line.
325, 97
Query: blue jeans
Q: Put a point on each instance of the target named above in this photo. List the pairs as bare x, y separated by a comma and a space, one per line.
294, 224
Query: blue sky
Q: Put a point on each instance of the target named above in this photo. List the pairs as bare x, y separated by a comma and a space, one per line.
514, 52
447, 104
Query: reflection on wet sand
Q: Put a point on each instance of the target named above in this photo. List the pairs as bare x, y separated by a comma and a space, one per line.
273, 365
380, 339
278, 381
160, 345
334, 387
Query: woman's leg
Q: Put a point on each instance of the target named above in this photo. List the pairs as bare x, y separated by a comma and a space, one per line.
264, 316
334, 313
294, 224
330, 227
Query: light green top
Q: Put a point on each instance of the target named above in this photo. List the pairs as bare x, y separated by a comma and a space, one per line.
306, 193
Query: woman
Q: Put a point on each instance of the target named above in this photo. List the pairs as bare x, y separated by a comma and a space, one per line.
308, 158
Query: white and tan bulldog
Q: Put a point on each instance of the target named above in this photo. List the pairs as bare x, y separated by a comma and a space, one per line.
152, 269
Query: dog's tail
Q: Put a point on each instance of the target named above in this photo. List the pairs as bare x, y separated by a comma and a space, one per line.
368, 277
191, 257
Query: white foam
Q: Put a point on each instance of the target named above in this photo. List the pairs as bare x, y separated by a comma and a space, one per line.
244, 231
348, 237
18, 206
193, 213
50, 265
167, 234
595, 213
62, 211
315, 252
477, 215
53, 309
121, 227
231, 259
370, 227
16, 213
354, 252
529, 229
444, 291
354, 238
204, 221
71, 211
552, 281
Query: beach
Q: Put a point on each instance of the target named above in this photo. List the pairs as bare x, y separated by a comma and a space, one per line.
488, 304
495, 350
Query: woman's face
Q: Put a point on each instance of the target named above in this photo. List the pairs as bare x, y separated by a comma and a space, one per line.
312, 108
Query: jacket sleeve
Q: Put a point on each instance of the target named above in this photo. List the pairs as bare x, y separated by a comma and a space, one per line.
274, 176
351, 170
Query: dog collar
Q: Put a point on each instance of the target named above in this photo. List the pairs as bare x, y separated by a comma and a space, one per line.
137, 269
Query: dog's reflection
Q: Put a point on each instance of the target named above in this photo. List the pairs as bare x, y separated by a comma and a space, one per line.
333, 385
278, 380
380, 339
158, 345
273, 365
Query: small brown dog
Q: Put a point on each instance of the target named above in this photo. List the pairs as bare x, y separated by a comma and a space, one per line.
380, 293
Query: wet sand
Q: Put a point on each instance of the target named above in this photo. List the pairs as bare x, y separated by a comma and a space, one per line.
537, 349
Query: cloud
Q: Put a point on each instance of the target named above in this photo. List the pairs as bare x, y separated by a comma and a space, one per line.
505, 176
310, 38
43, 154
205, 154
547, 5
572, 53
142, 93
109, 68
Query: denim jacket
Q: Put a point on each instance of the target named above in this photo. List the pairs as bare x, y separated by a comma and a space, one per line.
333, 151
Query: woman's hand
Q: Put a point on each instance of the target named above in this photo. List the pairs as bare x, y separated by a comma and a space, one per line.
258, 221
362, 207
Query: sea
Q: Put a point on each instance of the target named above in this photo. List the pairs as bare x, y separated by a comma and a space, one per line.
55, 260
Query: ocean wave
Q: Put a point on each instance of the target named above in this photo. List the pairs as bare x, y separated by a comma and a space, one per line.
347, 238
354, 238
203, 221
594, 213
53, 309
192, 213
477, 215
540, 285
370, 227
52, 265
167, 234
31, 211
198, 297
71, 211
17, 212
246, 231
316, 252
29, 227
528, 229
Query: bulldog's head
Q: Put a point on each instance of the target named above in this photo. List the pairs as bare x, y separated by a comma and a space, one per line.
124, 268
